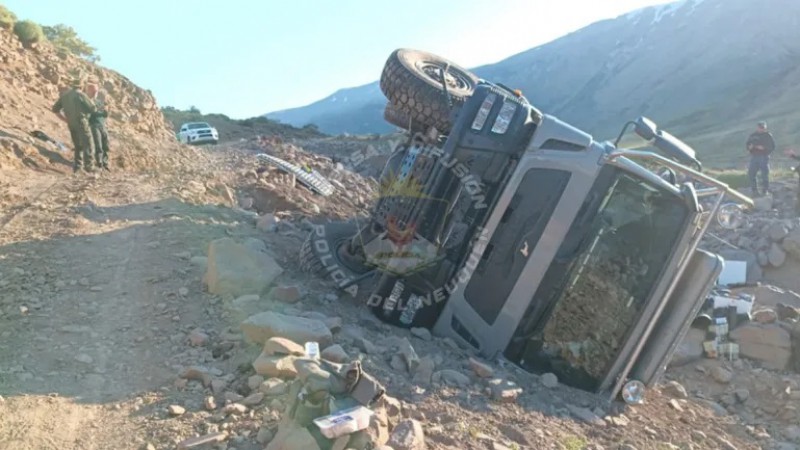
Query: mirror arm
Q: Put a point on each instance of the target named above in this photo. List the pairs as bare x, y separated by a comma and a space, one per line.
622, 133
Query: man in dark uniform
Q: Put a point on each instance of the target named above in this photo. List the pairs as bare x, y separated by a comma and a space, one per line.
760, 145
75, 108
97, 122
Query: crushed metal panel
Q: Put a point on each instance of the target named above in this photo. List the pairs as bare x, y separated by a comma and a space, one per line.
313, 180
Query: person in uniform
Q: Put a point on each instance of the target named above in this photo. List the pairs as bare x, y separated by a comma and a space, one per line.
75, 108
97, 123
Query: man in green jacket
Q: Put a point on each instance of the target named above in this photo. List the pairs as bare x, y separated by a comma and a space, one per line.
97, 122
75, 108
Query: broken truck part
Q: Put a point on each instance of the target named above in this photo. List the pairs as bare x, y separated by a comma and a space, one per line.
525, 238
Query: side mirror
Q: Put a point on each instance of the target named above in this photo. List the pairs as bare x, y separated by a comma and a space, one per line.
645, 128
675, 148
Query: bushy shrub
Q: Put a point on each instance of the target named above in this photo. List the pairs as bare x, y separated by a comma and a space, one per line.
28, 32
66, 38
7, 18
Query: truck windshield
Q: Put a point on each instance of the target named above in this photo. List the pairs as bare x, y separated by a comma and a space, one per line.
197, 126
600, 280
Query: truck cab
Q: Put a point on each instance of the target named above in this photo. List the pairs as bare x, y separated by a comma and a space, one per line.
524, 238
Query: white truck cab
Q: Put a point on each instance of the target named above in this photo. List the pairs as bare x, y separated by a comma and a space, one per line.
198, 133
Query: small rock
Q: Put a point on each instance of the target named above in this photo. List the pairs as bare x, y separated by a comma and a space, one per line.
201, 440
675, 389
264, 435
721, 375
481, 369
278, 346
260, 327
235, 409
549, 380
504, 391
366, 346
198, 338
725, 444
218, 386
514, 434
183, 292
422, 333
586, 415
275, 366
210, 403
424, 371
393, 406
286, 294
198, 374
333, 323
335, 353
254, 382
409, 354
742, 395
253, 399
273, 387
397, 363
407, 435
233, 397
792, 433
777, 231
675, 405
452, 378
776, 255
176, 410
267, 222
765, 316
83, 358
698, 436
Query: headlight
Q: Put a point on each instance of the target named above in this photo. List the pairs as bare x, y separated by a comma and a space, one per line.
504, 117
633, 392
729, 216
483, 112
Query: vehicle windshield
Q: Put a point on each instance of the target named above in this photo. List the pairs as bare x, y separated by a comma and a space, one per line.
197, 126
601, 279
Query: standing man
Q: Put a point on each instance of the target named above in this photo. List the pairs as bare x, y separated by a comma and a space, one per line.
97, 122
760, 145
75, 108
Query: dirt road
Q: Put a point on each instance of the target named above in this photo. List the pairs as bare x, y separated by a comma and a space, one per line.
102, 310
97, 297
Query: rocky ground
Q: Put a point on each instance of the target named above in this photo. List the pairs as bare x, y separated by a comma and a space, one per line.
121, 327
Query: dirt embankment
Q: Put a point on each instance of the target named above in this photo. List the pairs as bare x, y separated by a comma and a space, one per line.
30, 82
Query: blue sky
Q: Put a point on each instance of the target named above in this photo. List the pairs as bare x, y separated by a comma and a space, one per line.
246, 57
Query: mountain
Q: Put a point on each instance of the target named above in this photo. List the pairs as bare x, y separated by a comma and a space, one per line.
705, 69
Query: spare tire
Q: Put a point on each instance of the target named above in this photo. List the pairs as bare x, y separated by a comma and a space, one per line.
401, 120
412, 81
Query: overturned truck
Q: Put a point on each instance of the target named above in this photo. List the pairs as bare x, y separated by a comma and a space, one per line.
522, 237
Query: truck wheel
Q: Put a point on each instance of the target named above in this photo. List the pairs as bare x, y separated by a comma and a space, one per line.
401, 120
412, 81
323, 254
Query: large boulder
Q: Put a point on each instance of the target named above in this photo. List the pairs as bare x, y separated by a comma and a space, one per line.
690, 349
260, 327
407, 435
791, 244
767, 343
235, 269
777, 231
776, 255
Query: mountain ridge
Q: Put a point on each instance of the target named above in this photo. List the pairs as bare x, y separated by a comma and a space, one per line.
708, 69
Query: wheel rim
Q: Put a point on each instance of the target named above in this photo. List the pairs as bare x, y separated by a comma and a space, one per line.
456, 80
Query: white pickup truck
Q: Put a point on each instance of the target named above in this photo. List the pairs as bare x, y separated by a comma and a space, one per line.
198, 133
